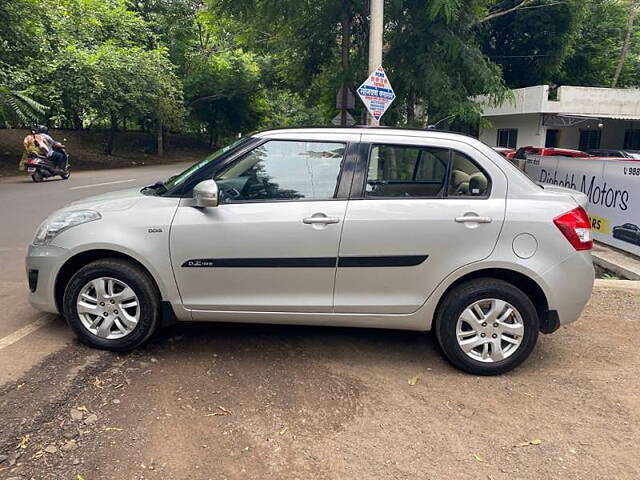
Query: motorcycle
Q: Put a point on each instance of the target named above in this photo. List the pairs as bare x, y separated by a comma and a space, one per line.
41, 167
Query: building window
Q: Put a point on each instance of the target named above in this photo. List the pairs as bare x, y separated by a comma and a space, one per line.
507, 137
632, 139
552, 138
589, 140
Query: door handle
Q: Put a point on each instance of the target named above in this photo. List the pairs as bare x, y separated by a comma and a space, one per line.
473, 219
320, 219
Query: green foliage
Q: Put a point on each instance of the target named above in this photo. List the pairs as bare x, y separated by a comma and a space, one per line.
18, 106
531, 45
597, 45
221, 67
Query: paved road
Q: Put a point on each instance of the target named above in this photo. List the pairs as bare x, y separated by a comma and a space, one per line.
26, 335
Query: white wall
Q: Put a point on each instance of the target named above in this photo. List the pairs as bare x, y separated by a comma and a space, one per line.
530, 131
615, 102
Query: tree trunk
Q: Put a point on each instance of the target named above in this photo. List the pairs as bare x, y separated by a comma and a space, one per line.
633, 12
411, 106
160, 139
108, 149
346, 34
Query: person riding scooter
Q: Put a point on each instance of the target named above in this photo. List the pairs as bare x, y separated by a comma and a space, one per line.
40, 142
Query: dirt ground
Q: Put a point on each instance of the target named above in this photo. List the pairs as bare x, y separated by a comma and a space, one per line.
236, 401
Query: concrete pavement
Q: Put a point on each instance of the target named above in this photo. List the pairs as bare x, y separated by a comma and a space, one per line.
26, 335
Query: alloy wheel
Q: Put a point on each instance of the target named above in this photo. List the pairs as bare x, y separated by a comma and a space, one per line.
490, 330
108, 308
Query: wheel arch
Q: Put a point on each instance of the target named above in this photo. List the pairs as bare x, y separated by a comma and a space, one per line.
79, 260
528, 285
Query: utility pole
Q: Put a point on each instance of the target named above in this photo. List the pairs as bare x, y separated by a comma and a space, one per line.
375, 42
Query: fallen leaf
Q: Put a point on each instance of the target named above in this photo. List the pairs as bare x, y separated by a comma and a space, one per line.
79, 477
38, 454
24, 443
112, 429
20, 386
478, 458
283, 430
413, 380
228, 412
534, 441
83, 409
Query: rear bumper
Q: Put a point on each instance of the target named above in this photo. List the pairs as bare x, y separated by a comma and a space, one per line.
569, 285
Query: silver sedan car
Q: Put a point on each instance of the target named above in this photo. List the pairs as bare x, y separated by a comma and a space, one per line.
359, 227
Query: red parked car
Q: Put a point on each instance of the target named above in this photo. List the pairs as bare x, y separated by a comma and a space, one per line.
549, 152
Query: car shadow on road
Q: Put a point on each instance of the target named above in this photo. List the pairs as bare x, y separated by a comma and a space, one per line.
252, 342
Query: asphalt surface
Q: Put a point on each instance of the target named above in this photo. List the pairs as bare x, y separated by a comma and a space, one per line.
27, 336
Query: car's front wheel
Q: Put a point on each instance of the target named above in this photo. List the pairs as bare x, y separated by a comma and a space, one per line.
112, 304
486, 326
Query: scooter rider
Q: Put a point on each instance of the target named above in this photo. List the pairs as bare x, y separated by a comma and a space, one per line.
53, 150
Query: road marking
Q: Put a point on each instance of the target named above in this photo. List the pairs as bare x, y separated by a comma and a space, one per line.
23, 332
101, 184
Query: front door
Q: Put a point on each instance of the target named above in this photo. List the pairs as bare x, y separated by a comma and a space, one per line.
425, 208
272, 242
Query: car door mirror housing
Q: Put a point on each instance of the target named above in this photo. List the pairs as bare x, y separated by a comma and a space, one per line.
205, 194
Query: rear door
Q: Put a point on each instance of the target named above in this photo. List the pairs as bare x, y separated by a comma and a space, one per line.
420, 209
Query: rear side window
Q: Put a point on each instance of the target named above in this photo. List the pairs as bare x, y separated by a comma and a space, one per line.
423, 172
467, 180
406, 171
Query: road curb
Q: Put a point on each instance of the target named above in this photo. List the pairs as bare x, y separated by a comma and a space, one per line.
627, 285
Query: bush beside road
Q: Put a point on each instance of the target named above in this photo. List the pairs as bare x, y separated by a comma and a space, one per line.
231, 401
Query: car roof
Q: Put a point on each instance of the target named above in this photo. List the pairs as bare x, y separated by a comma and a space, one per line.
363, 129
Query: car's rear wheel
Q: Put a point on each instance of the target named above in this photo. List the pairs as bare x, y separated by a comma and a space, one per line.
112, 304
486, 326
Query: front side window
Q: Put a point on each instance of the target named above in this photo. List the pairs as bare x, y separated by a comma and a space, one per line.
403, 171
283, 170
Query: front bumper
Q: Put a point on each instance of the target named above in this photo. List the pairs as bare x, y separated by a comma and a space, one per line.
42, 265
570, 284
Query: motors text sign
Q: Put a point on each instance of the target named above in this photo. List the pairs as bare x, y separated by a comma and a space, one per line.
613, 188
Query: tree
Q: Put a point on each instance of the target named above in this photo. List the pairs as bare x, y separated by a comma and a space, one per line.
19, 107
634, 6
531, 44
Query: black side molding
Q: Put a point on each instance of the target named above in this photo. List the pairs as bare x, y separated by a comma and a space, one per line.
308, 262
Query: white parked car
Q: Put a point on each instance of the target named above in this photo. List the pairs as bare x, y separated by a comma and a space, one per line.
360, 227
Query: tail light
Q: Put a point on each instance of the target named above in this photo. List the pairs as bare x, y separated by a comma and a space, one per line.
576, 228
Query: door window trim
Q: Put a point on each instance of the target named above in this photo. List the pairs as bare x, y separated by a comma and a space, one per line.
359, 183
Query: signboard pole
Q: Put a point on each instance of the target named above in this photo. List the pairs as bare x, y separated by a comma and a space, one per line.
375, 43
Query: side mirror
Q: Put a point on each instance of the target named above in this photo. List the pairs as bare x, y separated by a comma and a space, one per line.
205, 194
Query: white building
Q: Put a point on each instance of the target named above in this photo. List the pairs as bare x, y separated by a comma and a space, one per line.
580, 118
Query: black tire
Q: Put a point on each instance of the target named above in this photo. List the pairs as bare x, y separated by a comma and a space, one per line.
65, 175
37, 177
141, 283
464, 295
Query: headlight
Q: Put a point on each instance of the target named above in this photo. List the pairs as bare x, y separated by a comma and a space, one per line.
59, 222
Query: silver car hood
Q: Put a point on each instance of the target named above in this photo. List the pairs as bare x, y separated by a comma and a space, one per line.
108, 202
578, 196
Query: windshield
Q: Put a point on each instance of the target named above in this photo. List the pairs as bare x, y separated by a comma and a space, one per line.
160, 188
